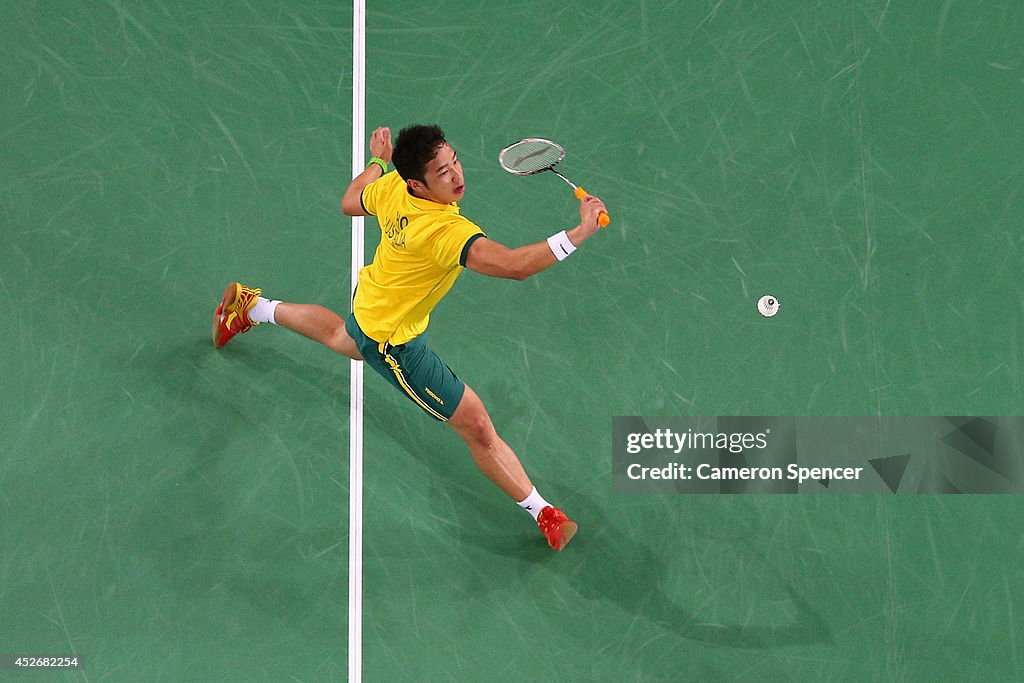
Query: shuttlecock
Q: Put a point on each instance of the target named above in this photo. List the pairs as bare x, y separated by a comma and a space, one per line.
767, 305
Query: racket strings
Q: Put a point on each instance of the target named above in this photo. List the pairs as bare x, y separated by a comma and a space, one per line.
531, 156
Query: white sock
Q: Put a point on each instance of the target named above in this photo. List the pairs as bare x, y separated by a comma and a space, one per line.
263, 311
533, 503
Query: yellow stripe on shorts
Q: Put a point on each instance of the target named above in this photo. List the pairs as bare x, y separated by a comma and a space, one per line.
396, 368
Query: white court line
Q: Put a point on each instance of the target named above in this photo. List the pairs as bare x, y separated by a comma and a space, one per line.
355, 452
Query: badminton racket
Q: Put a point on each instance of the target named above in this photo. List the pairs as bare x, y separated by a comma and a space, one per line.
536, 155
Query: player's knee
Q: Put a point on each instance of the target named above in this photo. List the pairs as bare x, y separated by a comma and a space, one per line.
481, 430
473, 423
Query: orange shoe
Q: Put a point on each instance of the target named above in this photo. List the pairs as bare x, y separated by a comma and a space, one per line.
556, 527
232, 316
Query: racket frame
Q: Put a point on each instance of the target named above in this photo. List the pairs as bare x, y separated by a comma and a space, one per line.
579, 192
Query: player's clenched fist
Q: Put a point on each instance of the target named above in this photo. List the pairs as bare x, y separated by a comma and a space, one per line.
380, 143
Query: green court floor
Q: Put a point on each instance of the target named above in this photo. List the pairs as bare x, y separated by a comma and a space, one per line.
175, 513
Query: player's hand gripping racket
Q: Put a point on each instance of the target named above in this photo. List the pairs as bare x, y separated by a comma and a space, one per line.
536, 155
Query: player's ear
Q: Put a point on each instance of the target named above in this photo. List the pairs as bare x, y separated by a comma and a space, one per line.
415, 186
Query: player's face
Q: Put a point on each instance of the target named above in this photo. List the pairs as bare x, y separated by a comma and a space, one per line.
444, 181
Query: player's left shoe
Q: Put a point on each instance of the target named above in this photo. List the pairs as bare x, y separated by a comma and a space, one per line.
232, 315
556, 527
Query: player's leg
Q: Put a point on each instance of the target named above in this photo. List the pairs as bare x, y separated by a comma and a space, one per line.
319, 324
492, 455
424, 378
501, 465
242, 308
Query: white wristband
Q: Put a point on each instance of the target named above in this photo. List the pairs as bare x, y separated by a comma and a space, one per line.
560, 245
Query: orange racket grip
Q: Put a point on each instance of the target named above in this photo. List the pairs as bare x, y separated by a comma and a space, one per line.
603, 219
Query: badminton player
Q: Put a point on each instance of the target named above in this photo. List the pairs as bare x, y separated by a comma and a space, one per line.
425, 244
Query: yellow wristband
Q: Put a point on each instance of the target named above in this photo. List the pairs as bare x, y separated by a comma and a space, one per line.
380, 162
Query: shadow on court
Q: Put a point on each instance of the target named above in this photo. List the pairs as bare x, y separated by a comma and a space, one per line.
217, 522
195, 525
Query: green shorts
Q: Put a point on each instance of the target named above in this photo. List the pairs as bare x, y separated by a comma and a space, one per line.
414, 369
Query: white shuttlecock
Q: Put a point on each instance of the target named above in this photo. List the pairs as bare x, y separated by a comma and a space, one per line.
767, 305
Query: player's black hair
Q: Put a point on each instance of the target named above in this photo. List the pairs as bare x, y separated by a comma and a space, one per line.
415, 147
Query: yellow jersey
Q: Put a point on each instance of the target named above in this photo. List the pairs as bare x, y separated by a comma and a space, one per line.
422, 250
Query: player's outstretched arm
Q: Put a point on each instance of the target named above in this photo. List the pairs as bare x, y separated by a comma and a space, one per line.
495, 259
380, 147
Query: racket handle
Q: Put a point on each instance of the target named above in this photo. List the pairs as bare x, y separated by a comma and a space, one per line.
603, 219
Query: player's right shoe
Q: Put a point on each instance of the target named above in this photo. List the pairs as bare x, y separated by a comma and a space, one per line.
232, 315
556, 527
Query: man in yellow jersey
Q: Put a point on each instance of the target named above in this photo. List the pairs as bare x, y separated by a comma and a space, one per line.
425, 244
